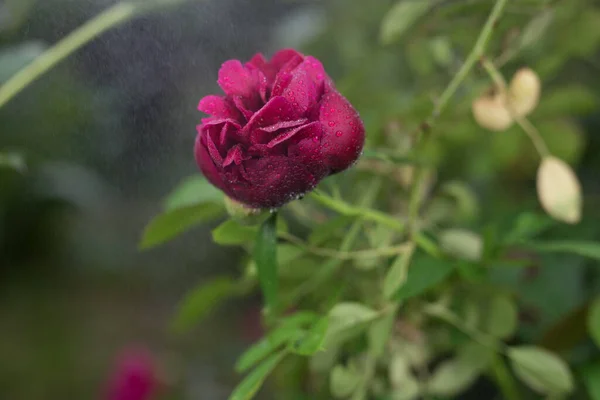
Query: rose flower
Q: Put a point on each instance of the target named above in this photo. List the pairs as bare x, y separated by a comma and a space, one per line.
280, 129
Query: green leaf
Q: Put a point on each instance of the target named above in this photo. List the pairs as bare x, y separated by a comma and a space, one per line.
527, 226
591, 379
253, 381
584, 249
398, 273
593, 321
299, 319
401, 17
265, 257
347, 320
13, 161
456, 375
380, 333
534, 31
172, 223
267, 345
502, 317
193, 190
424, 273
541, 370
200, 301
312, 340
462, 244
232, 233
343, 381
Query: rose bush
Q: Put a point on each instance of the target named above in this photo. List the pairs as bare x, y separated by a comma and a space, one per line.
280, 129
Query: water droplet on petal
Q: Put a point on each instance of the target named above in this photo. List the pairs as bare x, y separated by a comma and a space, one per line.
338, 133
331, 123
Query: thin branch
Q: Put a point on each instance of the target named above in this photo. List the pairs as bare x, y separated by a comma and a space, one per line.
345, 255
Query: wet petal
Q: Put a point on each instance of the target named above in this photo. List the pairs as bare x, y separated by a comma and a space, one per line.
206, 164
277, 110
234, 79
344, 133
273, 181
298, 131
218, 106
234, 155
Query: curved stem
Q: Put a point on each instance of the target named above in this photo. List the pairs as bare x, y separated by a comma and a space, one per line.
109, 18
477, 51
345, 255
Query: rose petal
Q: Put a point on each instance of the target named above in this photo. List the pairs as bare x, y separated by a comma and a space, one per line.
277, 110
234, 79
234, 155
239, 103
344, 133
298, 131
219, 107
206, 164
301, 91
273, 181
285, 59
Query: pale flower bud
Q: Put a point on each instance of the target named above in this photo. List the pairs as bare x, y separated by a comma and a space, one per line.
524, 92
491, 113
559, 190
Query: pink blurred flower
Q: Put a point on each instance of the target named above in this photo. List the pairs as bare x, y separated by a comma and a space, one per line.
134, 377
281, 127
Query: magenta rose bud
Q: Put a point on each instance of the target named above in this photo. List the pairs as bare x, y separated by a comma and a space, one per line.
280, 128
134, 377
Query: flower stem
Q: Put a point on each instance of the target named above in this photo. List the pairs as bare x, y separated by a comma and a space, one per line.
474, 56
504, 379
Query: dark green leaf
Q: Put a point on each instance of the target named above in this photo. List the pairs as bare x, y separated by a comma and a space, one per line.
267, 345
232, 233
312, 340
584, 249
527, 226
401, 17
265, 256
424, 273
591, 379
200, 301
501, 317
193, 190
593, 321
253, 381
172, 223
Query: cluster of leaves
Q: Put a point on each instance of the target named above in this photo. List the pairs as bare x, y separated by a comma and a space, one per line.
395, 280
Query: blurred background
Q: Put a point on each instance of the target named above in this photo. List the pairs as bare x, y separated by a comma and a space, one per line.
90, 150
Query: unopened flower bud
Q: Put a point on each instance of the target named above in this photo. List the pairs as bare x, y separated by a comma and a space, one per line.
490, 112
559, 190
524, 92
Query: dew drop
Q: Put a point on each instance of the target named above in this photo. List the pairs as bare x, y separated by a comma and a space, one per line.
338, 133
331, 123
